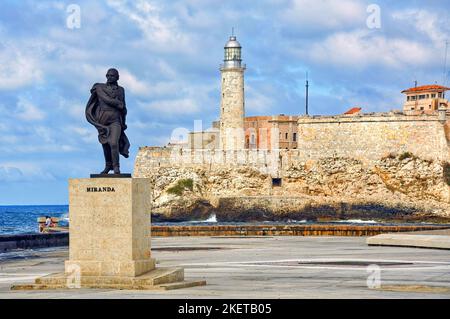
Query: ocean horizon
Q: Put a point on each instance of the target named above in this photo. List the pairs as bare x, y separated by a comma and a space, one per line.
22, 219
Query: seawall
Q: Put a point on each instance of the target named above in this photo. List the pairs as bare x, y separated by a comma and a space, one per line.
32, 241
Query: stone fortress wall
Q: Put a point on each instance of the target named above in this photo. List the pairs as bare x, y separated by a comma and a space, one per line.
367, 138
368, 166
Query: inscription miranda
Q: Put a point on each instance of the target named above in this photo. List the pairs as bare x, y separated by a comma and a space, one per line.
100, 189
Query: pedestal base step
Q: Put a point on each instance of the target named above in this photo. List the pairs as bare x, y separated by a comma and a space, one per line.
157, 279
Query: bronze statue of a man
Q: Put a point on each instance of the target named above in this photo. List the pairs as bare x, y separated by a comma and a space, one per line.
107, 111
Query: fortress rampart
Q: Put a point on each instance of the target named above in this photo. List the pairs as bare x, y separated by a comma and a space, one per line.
370, 137
266, 162
367, 138
354, 166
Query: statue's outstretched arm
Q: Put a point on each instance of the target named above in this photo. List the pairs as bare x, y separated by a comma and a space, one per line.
108, 100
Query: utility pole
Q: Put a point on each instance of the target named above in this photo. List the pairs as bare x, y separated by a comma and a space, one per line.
307, 93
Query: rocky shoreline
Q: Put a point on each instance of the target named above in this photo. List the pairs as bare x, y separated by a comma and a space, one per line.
398, 187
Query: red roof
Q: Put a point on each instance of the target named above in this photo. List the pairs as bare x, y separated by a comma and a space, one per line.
353, 110
422, 88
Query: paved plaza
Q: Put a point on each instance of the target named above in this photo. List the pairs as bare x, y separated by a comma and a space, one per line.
260, 267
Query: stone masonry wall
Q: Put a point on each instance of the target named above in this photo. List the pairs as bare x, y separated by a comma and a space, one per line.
358, 166
232, 109
371, 137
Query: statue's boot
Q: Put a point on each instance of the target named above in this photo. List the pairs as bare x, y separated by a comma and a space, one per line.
116, 170
108, 167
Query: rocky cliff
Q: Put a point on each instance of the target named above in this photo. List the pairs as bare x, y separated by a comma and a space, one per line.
397, 187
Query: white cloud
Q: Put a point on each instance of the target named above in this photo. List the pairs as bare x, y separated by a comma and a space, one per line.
17, 69
361, 49
10, 174
72, 107
27, 111
324, 14
163, 34
87, 135
45, 134
257, 102
138, 124
132, 83
57, 148
172, 107
428, 23
8, 139
41, 5
23, 171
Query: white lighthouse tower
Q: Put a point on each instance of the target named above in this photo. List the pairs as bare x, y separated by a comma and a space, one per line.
232, 111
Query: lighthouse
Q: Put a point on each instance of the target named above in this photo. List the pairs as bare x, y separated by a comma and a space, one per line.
232, 108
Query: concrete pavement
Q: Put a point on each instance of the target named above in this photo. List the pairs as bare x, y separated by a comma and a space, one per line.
261, 267
439, 239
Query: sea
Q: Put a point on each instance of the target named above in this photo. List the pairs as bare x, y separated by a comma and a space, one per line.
16, 220
23, 219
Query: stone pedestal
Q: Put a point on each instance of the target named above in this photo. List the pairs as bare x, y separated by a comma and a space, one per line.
109, 245
109, 227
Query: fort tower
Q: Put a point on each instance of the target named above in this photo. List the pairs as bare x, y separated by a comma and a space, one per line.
232, 99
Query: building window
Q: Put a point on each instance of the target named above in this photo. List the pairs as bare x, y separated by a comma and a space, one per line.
408, 98
433, 95
276, 182
286, 136
413, 98
439, 95
294, 137
421, 108
421, 97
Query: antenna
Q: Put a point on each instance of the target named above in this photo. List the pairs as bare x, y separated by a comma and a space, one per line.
232, 31
307, 93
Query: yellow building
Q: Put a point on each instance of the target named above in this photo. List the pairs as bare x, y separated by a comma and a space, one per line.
425, 99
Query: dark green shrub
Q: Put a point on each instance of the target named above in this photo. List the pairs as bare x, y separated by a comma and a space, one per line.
405, 155
181, 186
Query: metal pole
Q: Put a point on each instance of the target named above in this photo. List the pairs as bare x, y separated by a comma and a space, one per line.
307, 93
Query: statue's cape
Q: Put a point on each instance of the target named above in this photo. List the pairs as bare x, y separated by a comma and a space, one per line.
103, 130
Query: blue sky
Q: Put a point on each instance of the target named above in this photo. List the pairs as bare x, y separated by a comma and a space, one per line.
168, 53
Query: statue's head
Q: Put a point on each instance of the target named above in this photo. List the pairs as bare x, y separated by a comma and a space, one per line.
112, 76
